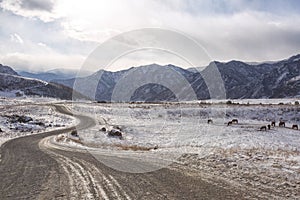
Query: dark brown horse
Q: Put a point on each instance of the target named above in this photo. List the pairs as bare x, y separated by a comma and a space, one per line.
210, 121
273, 123
235, 121
282, 124
263, 128
229, 123
295, 126
115, 133
269, 126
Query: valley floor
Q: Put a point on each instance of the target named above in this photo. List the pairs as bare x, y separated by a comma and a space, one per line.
172, 141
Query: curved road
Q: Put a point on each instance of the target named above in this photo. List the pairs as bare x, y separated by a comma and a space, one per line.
32, 169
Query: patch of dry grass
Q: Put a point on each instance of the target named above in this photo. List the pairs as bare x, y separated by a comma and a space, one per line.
78, 141
134, 147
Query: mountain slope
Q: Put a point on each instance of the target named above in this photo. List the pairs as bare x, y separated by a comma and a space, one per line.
241, 80
283, 80
7, 70
11, 84
148, 92
54, 74
46, 76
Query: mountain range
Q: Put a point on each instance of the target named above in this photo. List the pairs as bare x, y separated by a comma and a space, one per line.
241, 81
12, 84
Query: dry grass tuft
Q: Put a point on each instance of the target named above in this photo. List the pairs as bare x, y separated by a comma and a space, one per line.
134, 147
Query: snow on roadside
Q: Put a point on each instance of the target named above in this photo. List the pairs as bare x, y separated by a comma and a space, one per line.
253, 101
171, 126
263, 161
12, 100
41, 118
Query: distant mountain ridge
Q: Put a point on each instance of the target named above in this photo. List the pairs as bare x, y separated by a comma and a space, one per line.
241, 80
54, 74
45, 76
12, 84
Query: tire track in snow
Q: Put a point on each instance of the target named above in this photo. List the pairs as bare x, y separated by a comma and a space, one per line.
98, 187
119, 187
78, 178
85, 179
110, 184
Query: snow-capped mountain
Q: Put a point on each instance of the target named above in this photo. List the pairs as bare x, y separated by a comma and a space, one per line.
12, 84
241, 80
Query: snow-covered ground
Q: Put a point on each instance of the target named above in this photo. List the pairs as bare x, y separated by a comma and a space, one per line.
253, 101
269, 160
185, 125
262, 161
12, 100
20, 117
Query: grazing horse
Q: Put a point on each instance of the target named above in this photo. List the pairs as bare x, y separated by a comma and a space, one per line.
229, 123
210, 121
273, 123
269, 126
235, 121
295, 126
115, 133
263, 128
281, 123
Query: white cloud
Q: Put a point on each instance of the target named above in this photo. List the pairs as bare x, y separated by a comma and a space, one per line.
16, 38
234, 29
41, 62
230, 30
41, 9
42, 44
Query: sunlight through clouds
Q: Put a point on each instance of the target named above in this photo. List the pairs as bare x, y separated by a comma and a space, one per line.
236, 29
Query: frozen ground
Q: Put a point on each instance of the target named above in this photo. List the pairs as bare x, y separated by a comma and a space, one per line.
255, 101
5, 101
185, 125
262, 161
20, 117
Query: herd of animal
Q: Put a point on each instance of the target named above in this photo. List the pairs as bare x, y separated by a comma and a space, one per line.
262, 128
280, 124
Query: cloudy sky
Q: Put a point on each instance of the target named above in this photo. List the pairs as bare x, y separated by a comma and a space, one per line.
48, 34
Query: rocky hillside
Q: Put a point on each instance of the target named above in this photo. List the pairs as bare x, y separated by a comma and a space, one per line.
7, 70
12, 84
242, 80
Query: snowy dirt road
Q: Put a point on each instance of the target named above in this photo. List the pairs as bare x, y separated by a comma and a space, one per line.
31, 169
